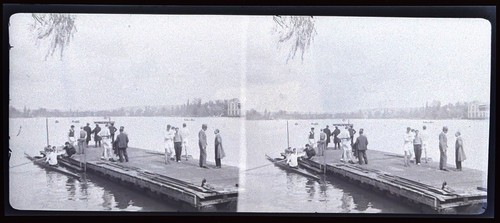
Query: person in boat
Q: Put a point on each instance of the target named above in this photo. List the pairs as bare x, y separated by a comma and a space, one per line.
97, 138
69, 148
345, 144
287, 152
292, 159
312, 142
309, 151
122, 144
51, 156
81, 141
336, 140
105, 136
71, 135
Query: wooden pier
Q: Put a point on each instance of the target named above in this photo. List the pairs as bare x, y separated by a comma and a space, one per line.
176, 183
419, 186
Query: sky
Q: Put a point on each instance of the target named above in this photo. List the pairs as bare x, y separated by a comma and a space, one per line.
353, 63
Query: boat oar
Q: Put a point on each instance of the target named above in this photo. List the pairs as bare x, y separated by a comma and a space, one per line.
264, 165
31, 161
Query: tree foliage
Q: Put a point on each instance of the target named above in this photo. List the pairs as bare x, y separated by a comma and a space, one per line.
54, 28
299, 31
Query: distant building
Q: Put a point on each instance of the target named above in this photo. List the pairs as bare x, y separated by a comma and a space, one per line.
478, 111
234, 108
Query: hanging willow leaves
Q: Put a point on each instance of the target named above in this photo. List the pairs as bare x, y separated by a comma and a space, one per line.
56, 29
298, 31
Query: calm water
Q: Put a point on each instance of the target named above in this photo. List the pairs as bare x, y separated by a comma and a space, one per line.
266, 189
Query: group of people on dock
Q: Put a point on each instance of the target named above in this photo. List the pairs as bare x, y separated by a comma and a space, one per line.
415, 144
112, 149
176, 140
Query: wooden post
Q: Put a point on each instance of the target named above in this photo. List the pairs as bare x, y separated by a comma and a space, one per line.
287, 136
47, 128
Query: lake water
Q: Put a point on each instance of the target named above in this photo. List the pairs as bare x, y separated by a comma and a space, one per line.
266, 189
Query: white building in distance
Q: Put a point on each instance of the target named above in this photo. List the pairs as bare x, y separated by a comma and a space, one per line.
234, 108
478, 111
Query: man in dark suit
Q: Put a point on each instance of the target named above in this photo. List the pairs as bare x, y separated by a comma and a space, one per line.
362, 145
122, 144
97, 138
89, 133
328, 134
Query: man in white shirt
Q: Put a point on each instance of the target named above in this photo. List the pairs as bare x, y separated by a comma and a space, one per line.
51, 156
292, 159
424, 137
106, 142
184, 135
169, 144
345, 140
408, 146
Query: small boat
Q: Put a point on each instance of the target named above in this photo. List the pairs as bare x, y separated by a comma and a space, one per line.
314, 123
428, 122
37, 161
189, 119
57, 121
284, 166
76, 121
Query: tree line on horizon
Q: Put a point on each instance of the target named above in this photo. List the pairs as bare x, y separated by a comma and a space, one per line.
434, 110
193, 108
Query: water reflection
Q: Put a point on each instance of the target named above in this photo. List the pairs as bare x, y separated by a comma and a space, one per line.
310, 189
107, 198
71, 188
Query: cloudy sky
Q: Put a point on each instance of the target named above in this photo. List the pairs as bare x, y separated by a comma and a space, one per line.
353, 63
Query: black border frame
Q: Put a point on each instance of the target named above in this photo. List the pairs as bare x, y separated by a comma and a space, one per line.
487, 12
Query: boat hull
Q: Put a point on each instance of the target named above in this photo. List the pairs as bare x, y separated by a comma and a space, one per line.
52, 168
282, 165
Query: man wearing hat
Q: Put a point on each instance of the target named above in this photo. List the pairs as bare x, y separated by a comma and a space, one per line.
362, 145
71, 135
89, 133
443, 147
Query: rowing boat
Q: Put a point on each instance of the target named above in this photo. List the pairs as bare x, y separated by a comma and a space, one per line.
49, 167
284, 166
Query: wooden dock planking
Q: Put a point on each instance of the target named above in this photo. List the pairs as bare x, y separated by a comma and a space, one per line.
418, 184
178, 182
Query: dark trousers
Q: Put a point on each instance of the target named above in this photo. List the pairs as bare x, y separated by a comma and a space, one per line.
203, 155
112, 138
98, 141
178, 150
442, 159
121, 153
218, 163
459, 165
418, 152
326, 146
336, 142
362, 156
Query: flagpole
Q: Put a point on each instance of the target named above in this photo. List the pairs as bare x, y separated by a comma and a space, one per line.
287, 135
47, 129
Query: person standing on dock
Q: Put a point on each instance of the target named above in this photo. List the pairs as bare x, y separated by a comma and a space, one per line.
328, 134
352, 132
122, 144
112, 130
459, 151
407, 146
71, 135
185, 135
417, 147
424, 137
105, 136
89, 133
202, 143
82, 141
219, 149
321, 143
346, 151
97, 138
169, 144
443, 147
312, 141
177, 145
336, 140
362, 145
